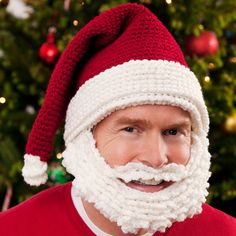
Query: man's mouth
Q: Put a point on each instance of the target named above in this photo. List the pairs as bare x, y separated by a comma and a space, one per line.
147, 182
148, 185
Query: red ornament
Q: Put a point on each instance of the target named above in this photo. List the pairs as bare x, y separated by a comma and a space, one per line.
49, 52
204, 44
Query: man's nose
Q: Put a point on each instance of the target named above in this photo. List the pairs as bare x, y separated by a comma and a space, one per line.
155, 152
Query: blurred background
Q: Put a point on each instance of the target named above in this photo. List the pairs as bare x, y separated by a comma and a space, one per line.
33, 34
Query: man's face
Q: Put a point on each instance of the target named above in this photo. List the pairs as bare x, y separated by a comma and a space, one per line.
154, 135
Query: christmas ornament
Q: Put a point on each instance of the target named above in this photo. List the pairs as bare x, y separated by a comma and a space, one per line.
8, 197
30, 110
232, 59
211, 66
48, 51
67, 5
230, 123
4, 3
204, 44
18, 9
57, 174
231, 36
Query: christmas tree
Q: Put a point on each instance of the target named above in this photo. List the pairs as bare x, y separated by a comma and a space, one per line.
33, 34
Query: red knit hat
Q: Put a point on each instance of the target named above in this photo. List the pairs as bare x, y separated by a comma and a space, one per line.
123, 57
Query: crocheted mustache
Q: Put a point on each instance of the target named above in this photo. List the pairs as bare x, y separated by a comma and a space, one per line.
138, 172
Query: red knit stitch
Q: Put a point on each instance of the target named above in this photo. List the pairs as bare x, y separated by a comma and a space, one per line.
127, 32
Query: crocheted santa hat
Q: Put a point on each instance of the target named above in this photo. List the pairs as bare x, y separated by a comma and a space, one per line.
122, 58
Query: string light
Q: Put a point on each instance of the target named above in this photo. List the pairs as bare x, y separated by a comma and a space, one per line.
75, 22
168, 1
59, 155
201, 27
2, 100
231, 193
207, 79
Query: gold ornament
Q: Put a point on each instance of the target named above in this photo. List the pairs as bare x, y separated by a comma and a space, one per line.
211, 66
230, 123
4, 3
232, 60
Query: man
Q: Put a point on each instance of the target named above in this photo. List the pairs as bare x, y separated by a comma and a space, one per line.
135, 134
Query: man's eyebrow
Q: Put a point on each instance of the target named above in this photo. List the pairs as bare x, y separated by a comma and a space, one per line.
181, 123
132, 121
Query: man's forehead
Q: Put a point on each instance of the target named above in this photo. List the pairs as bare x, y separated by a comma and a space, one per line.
146, 114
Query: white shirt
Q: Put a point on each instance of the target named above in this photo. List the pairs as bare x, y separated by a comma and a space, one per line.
80, 209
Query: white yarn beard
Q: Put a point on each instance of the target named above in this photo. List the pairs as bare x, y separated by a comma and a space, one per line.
131, 209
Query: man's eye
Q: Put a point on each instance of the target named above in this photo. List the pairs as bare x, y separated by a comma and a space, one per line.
170, 132
129, 129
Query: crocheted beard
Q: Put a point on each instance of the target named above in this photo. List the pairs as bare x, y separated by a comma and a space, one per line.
131, 209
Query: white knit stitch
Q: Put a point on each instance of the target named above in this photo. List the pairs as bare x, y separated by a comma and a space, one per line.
130, 208
34, 170
131, 83
136, 171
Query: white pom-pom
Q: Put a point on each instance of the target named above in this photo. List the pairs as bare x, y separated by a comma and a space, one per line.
34, 170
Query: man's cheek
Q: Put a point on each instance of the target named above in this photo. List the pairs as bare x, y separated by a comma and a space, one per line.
180, 154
